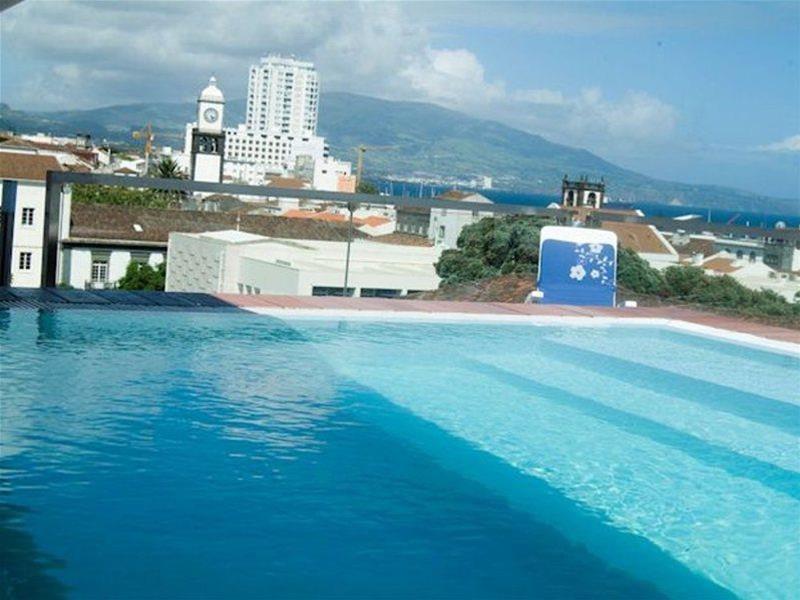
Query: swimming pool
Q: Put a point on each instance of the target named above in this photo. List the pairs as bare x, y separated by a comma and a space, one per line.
150, 454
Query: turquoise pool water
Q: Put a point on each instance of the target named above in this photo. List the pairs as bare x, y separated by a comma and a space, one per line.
190, 455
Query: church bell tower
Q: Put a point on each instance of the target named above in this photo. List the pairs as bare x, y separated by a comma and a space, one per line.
208, 137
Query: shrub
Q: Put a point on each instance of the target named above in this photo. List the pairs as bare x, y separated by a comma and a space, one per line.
104, 194
141, 276
493, 246
636, 275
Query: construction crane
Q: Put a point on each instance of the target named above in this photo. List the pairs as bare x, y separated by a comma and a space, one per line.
360, 159
147, 137
351, 206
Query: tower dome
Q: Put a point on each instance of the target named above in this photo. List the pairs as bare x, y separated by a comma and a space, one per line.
212, 93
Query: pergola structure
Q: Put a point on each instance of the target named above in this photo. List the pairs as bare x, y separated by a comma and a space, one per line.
56, 180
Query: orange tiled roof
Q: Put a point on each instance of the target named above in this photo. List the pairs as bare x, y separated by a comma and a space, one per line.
110, 222
374, 220
719, 264
30, 167
316, 215
639, 237
292, 183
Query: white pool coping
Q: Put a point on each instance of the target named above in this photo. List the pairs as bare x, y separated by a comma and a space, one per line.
735, 337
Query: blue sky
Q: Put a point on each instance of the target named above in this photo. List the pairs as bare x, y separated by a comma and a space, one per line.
691, 91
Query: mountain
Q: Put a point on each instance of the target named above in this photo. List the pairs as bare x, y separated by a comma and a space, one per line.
413, 139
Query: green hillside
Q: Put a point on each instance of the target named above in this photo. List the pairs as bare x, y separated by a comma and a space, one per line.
416, 140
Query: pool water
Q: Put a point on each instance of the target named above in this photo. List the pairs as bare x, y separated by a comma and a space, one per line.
190, 455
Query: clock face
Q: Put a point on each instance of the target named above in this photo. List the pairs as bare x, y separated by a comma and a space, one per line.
211, 115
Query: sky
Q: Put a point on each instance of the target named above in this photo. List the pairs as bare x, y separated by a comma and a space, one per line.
700, 92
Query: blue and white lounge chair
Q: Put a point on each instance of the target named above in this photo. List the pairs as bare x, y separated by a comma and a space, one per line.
577, 266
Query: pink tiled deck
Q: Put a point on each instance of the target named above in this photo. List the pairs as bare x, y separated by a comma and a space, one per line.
500, 308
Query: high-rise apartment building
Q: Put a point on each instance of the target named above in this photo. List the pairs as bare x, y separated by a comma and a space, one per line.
283, 96
280, 124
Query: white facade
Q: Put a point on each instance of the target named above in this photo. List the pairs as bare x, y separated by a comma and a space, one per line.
446, 223
252, 155
239, 262
207, 144
332, 175
754, 274
101, 267
27, 199
26, 251
283, 97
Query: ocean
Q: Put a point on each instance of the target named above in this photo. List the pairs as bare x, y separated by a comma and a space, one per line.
730, 217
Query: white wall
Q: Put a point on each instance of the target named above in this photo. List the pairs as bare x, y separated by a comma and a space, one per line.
327, 172
268, 278
28, 238
234, 262
660, 261
194, 264
453, 221
76, 263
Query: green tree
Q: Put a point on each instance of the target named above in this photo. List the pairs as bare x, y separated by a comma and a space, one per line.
497, 246
119, 196
367, 187
636, 275
493, 246
141, 276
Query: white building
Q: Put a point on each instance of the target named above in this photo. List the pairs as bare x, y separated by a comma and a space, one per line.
23, 175
283, 96
753, 274
446, 223
239, 262
98, 265
333, 175
252, 156
75, 153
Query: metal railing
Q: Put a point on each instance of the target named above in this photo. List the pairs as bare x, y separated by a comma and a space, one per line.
57, 179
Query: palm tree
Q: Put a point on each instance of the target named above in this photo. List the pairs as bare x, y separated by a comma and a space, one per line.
167, 168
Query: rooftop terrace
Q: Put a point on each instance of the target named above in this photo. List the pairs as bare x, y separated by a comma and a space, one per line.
50, 299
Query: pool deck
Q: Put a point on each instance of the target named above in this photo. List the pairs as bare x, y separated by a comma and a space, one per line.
276, 304
332, 306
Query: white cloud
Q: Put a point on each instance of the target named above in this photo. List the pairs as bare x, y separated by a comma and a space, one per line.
540, 96
454, 77
636, 116
102, 53
790, 144
162, 51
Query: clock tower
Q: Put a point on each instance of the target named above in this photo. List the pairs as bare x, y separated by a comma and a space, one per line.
208, 137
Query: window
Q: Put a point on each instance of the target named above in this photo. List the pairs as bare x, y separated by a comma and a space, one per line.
330, 291
99, 271
25, 261
379, 293
27, 216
